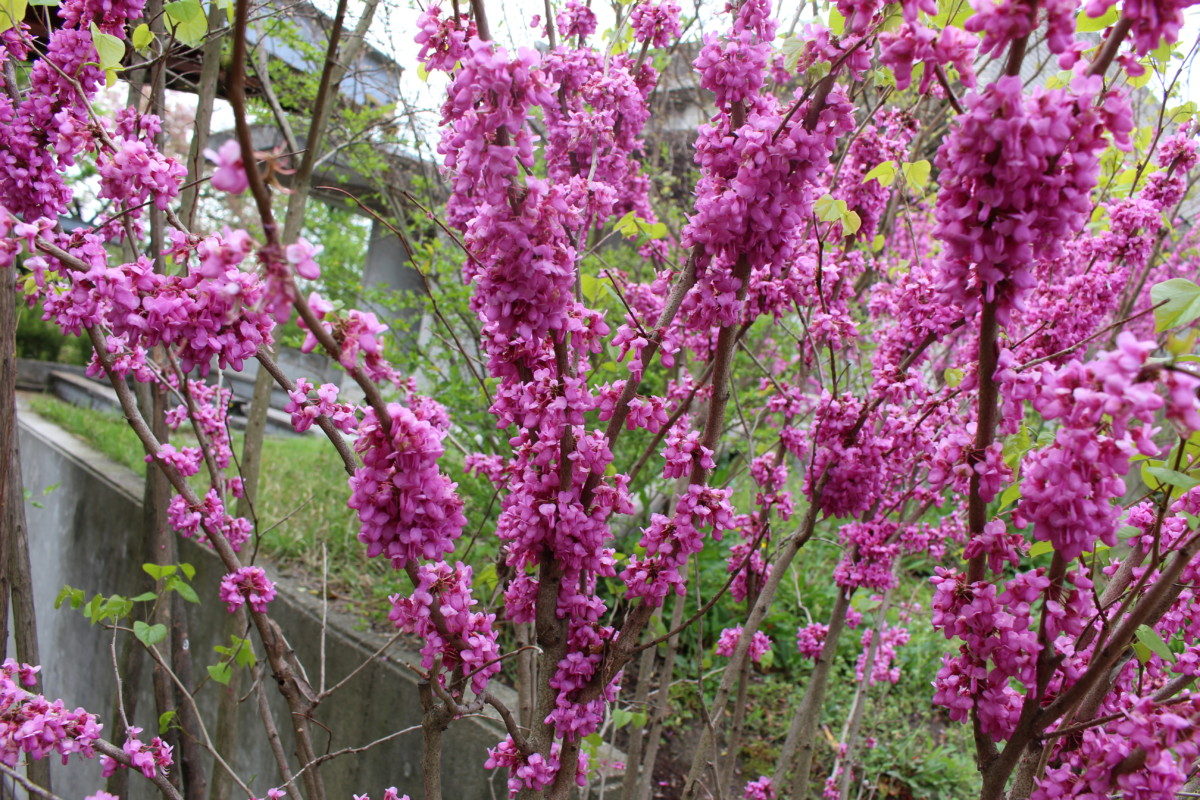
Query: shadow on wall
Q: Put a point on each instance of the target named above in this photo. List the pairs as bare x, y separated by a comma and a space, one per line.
86, 532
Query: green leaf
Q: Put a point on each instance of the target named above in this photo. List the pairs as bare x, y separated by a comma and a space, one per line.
837, 23
110, 50
1086, 24
164, 722
829, 209
916, 175
1150, 638
1141, 652
189, 571
221, 673
792, 48
159, 571
851, 222
1010, 495
953, 376
142, 37
1040, 548
885, 173
149, 635
12, 13
768, 659
185, 591
242, 651
1161, 476
621, 718
1177, 303
189, 23
69, 594
952, 13
144, 597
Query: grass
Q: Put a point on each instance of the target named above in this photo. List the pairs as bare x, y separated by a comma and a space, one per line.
303, 521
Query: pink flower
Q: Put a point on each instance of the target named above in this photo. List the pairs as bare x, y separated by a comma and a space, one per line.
230, 174
247, 585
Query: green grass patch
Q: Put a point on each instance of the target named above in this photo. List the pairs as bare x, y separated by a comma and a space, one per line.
303, 520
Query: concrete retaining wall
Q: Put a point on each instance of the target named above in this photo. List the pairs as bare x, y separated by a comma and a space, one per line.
85, 532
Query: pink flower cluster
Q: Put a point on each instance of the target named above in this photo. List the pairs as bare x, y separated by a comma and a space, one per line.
810, 639
1025, 166
407, 508
760, 788
31, 725
670, 541
305, 410
247, 586
150, 759
455, 637
655, 23
210, 515
883, 667
760, 643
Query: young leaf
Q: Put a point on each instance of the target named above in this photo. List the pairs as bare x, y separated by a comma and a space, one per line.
185, 591
1087, 24
142, 37
885, 173
189, 23
159, 571
110, 51
1177, 303
12, 13
916, 175
829, 209
164, 722
1010, 495
1161, 476
1040, 548
1150, 638
621, 718
149, 635
851, 222
221, 673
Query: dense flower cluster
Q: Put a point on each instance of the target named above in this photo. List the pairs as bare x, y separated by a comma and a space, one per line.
31, 725
247, 586
1026, 165
408, 508
760, 644
440, 612
149, 759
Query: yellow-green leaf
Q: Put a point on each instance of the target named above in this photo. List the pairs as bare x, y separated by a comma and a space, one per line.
142, 37
1150, 638
837, 23
12, 13
1040, 548
1085, 23
885, 173
1177, 303
189, 23
851, 222
829, 209
109, 49
916, 175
